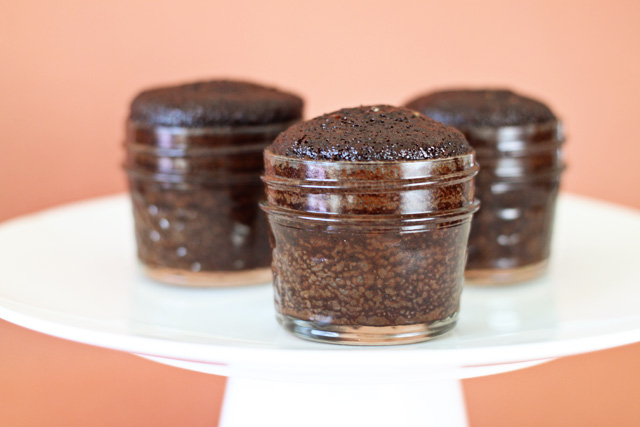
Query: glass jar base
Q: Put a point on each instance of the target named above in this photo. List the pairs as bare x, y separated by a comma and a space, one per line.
505, 276
209, 279
366, 335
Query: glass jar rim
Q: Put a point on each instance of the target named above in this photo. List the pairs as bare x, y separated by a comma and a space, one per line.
268, 152
187, 151
460, 214
518, 176
193, 178
516, 132
327, 173
226, 130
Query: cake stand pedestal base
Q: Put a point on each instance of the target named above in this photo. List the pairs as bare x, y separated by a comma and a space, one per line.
290, 397
250, 402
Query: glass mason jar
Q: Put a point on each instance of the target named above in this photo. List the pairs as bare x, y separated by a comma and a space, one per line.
520, 170
368, 253
195, 194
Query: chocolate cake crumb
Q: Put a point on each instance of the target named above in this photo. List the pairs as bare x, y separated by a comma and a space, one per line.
465, 108
214, 103
371, 133
369, 277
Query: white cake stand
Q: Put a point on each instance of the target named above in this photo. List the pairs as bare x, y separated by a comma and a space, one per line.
71, 272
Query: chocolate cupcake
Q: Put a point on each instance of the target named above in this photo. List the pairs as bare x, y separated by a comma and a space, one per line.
369, 210
517, 141
215, 103
194, 160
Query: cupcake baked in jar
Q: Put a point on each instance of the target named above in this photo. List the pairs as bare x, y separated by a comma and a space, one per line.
369, 210
194, 161
518, 144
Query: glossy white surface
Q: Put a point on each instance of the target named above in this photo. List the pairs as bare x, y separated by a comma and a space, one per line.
71, 272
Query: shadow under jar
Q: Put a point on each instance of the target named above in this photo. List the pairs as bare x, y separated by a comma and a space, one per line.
520, 170
195, 194
372, 252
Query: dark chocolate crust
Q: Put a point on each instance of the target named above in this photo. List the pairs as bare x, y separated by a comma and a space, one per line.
214, 103
372, 133
466, 108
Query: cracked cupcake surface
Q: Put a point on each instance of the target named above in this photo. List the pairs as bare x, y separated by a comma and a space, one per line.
372, 133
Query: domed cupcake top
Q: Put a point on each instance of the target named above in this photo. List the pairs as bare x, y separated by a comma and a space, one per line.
214, 103
371, 133
485, 107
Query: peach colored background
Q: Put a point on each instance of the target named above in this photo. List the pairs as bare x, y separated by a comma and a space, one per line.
69, 68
